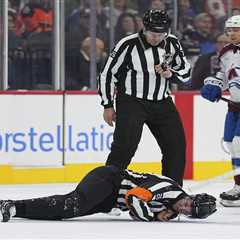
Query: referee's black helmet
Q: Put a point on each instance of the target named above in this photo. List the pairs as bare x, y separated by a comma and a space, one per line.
203, 205
156, 21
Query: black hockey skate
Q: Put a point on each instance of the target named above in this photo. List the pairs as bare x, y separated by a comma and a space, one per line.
231, 198
7, 210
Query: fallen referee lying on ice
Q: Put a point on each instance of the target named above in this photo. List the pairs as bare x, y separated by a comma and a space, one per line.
147, 197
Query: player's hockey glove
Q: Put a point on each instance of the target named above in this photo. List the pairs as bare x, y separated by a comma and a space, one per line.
212, 89
136, 200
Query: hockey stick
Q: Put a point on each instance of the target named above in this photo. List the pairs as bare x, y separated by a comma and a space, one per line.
217, 179
230, 102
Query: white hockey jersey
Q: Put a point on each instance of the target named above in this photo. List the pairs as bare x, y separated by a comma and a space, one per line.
229, 73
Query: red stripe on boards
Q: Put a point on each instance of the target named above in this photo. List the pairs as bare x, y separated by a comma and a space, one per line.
184, 104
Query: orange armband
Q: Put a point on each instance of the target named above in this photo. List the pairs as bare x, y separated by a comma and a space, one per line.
140, 193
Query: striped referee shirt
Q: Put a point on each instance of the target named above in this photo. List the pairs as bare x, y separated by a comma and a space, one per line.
166, 192
130, 68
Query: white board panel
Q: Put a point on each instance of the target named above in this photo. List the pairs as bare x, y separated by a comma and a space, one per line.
29, 126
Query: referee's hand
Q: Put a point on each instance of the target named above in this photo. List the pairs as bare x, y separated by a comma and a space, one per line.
166, 215
109, 116
165, 73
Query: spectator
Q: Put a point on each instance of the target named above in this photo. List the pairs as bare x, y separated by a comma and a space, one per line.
14, 4
11, 20
186, 15
18, 67
139, 22
144, 5
236, 11
13, 40
119, 7
78, 23
218, 11
37, 17
126, 26
78, 65
215, 8
41, 62
198, 5
208, 64
200, 39
157, 4
164, 5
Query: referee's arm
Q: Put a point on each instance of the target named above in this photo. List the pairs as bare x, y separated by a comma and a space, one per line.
106, 78
181, 68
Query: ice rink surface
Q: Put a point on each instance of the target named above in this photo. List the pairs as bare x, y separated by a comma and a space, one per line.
224, 224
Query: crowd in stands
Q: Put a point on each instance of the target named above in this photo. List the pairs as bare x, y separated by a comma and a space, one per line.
200, 28
30, 44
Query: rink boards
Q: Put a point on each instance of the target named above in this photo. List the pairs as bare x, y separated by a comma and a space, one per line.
58, 137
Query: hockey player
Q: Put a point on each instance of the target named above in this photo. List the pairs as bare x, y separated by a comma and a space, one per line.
147, 197
229, 78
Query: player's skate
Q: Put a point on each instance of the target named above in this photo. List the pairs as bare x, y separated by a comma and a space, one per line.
231, 198
7, 210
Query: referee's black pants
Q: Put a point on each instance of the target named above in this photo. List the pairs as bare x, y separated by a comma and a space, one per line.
97, 192
164, 122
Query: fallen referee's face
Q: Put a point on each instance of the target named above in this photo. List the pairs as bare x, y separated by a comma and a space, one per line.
154, 38
184, 206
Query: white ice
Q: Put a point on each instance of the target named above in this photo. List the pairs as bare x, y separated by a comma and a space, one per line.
224, 224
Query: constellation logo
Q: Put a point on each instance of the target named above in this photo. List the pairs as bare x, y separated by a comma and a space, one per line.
63, 140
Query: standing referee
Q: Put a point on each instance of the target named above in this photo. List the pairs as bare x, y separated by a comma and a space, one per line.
139, 70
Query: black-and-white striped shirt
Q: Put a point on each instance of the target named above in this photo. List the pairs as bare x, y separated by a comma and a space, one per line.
165, 191
131, 68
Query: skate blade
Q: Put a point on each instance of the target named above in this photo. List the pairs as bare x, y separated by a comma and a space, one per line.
228, 203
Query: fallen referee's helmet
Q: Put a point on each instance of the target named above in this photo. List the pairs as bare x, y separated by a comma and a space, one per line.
156, 21
203, 205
